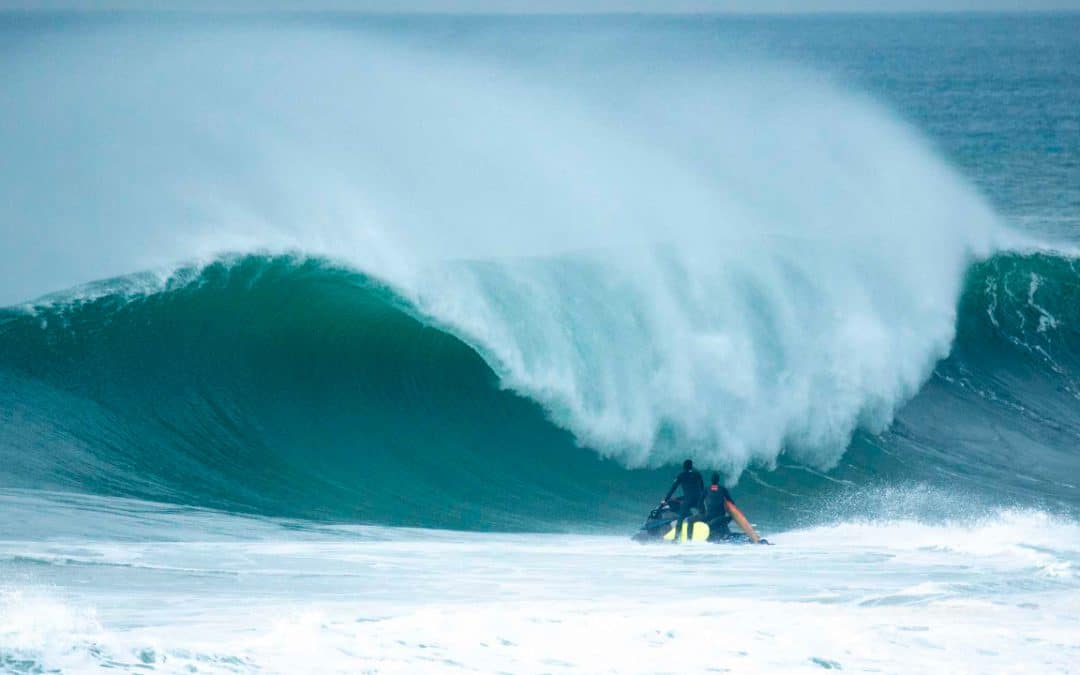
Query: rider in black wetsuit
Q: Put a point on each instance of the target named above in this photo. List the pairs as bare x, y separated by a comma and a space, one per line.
693, 489
716, 514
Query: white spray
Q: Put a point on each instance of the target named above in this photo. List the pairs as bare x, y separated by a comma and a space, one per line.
726, 259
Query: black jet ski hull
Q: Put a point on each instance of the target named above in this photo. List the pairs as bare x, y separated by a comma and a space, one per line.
643, 537
662, 520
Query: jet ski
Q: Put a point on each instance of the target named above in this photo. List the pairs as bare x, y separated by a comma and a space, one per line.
659, 526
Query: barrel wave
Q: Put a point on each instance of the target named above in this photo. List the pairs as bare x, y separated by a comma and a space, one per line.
281, 386
294, 386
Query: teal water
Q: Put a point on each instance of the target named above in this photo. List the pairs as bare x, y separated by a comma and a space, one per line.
294, 388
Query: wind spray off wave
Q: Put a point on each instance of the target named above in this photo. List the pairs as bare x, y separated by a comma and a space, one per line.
729, 259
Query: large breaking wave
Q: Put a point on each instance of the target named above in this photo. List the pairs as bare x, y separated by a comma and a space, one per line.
525, 277
297, 387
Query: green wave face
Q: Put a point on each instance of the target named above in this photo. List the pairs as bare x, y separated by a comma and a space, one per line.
294, 387
996, 425
291, 388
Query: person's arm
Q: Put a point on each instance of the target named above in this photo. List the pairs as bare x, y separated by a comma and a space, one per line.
671, 491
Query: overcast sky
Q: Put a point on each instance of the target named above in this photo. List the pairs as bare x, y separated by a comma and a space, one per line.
553, 6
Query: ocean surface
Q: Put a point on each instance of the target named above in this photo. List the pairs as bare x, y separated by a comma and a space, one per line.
342, 343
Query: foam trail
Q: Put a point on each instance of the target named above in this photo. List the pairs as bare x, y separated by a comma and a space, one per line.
732, 260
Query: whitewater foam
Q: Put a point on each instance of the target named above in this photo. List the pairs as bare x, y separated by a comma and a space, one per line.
273, 595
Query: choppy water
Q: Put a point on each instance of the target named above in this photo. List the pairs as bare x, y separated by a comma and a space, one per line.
222, 593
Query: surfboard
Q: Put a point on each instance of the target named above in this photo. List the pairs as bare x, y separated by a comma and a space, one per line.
743, 523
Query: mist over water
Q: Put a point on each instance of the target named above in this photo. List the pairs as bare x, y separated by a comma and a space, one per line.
728, 258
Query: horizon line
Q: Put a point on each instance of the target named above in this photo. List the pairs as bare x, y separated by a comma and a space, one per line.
480, 8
